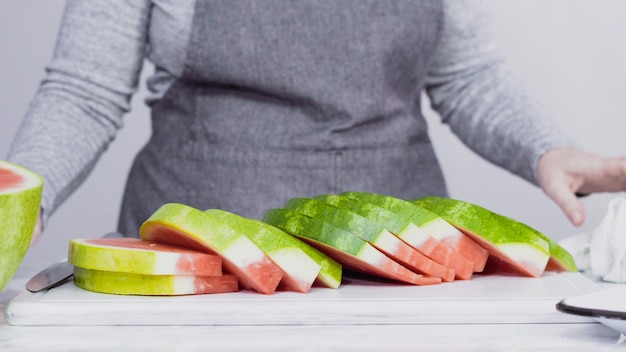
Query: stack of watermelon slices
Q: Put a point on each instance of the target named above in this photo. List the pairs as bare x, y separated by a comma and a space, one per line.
184, 251
134, 266
421, 242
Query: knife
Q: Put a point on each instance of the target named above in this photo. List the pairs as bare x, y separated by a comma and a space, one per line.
57, 274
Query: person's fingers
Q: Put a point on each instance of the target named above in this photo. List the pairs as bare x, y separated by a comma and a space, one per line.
608, 176
563, 173
569, 203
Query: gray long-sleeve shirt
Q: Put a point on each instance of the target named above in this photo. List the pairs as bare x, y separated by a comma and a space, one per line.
102, 45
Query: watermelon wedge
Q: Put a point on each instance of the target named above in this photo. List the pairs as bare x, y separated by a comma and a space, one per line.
560, 258
20, 198
120, 283
184, 226
520, 249
132, 255
466, 249
292, 255
346, 248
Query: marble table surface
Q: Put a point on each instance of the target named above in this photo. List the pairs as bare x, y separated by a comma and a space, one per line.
575, 336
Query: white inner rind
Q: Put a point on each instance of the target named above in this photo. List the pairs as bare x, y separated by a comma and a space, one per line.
531, 258
372, 256
182, 284
414, 235
441, 229
296, 263
330, 280
243, 252
388, 242
165, 263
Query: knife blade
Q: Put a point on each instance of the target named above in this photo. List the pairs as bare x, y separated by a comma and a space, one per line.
50, 277
57, 274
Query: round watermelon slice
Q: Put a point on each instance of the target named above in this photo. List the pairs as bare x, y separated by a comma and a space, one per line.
136, 256
20, 198
119, 283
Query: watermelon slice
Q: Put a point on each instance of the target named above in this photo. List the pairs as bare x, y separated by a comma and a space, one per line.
20, 198
349, 250
560, 258
120, 283
434, 225
514, 245
293, 256
184, 226
132, 255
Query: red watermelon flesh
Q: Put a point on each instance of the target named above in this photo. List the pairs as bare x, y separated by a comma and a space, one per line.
10, 180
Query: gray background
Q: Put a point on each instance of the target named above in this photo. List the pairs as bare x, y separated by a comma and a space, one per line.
571, 54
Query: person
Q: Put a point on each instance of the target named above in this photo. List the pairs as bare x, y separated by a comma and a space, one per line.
256, 102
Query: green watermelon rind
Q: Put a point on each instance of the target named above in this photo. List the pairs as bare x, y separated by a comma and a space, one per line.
388, 219
418, 215
301, 225
341, 218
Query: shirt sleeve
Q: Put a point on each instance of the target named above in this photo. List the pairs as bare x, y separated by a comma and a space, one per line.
476, 94
87, 88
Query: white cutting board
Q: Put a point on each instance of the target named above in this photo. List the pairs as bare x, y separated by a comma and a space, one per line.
484, 299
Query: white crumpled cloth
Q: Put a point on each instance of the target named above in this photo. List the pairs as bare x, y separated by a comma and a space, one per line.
603, 251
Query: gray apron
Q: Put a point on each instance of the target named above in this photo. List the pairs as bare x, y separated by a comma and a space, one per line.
284, 99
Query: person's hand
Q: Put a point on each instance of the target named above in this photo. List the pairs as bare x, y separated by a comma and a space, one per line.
565, 173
